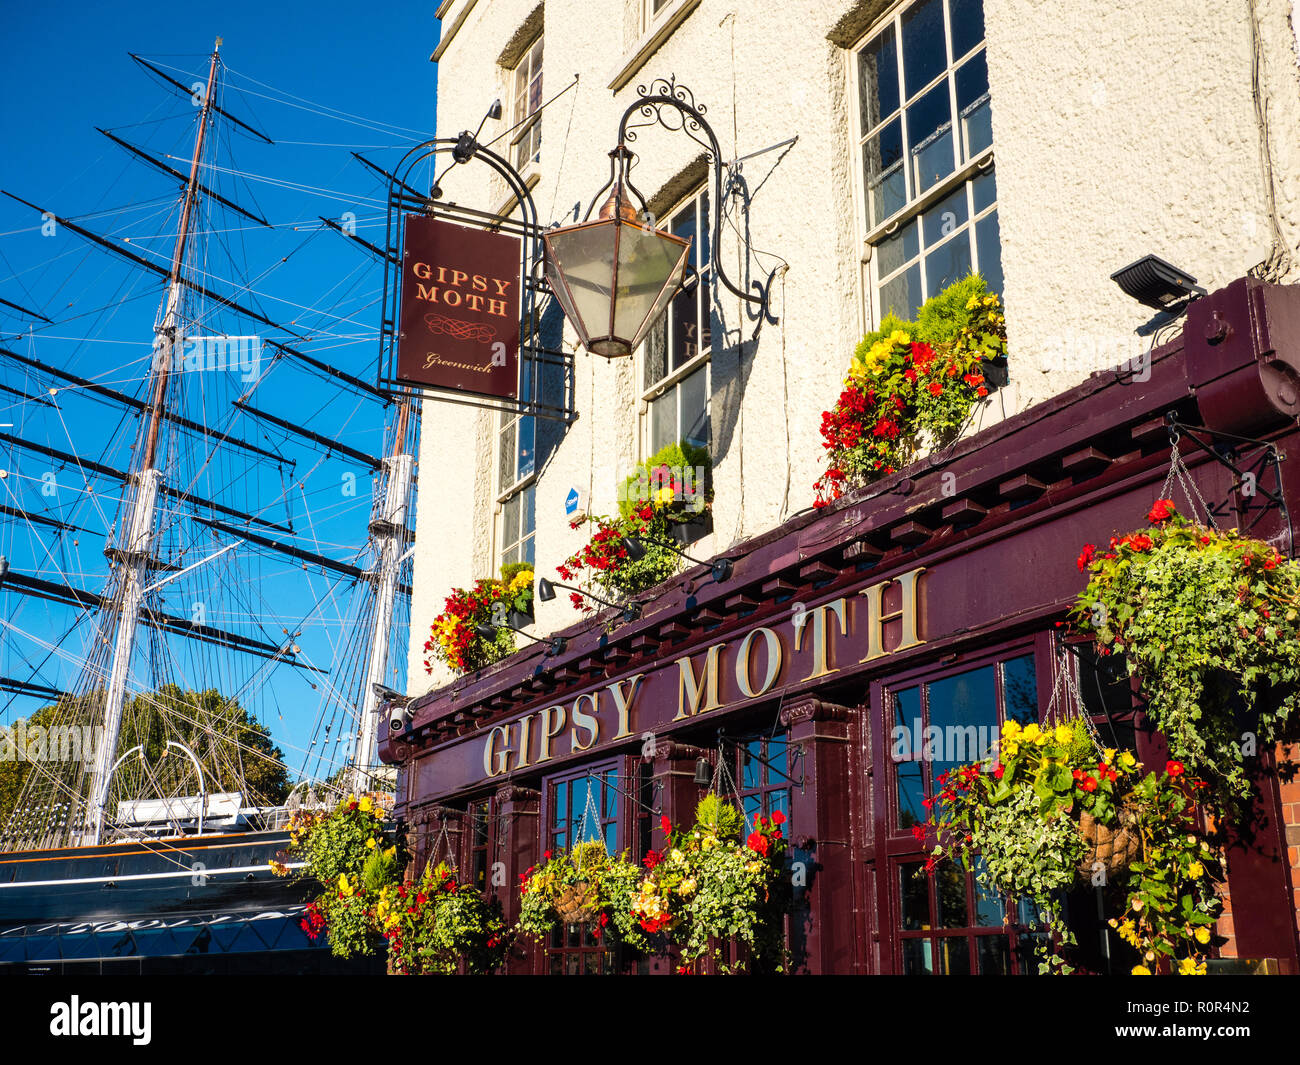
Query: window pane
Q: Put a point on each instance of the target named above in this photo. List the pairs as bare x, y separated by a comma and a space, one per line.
989, 239
1020, 690
894, 251
950, 882
973, 105
663, 421
985, 190
902, 296
685, 326
966, 17
914, 886
656, 353
916, 958
924, 53
989, 909
911, 789
751, 775
954, 956
883, 172
695, 408
964, 710
506, 465
878, 79
526, 431
948, 263
944, 217
528, 511
995, 955
929, 132
683, 225
510, 521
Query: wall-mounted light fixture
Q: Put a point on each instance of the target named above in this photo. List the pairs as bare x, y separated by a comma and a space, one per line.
555, 645
546, 592
614, 277
1157, 284
719, 569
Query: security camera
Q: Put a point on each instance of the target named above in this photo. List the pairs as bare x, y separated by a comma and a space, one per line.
399, 719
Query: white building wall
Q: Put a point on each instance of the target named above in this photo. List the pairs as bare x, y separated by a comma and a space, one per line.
1119, 129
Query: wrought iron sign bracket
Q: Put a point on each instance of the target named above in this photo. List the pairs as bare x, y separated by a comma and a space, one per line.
550, 387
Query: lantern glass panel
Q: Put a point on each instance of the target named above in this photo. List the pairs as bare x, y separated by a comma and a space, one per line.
585, 256
648, 260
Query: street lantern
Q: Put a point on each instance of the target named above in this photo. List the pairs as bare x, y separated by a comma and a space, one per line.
615, 276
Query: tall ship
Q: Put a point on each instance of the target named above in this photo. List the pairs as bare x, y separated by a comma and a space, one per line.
142, 797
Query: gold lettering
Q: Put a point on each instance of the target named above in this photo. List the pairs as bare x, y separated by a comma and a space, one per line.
475, 302
623, 703
451, 298
497, 307
457, 276
547, 733
525, 738
773, 662
584, 720
876, 617
690, 687
501, 286
429, 293
821, 642
480, 283
491, 756
422, 271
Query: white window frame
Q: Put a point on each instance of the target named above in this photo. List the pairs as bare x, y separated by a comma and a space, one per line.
531, 130
518, 486
966, 166
701, 359
649, 16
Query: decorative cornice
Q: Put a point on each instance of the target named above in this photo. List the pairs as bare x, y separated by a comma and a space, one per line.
814, 710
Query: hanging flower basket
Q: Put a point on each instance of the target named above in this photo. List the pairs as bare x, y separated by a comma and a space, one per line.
1209, 622
579, 903
1112, 847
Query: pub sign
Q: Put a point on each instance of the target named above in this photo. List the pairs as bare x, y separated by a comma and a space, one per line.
459, 323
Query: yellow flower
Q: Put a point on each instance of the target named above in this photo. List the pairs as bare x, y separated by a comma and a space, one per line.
1011, 728
665, 495
687, 887
1141, 970
1202, 934
1127, 761
972, 303
1196, 870
1064, 734
898, 337
1108, 755
365, 804
1190, 967
370, 844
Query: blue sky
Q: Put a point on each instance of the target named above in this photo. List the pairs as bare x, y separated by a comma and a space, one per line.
321, 80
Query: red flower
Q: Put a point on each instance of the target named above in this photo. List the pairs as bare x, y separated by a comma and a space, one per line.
918, 833
1205, 539
1085, 559
1088, 783
1163, 510
778, 818
651, 859
1140, 542
666, 825
1175, 769
935, 388
930, 865
758, 843
999, 771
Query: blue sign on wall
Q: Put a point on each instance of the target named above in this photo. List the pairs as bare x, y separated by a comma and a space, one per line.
571, 502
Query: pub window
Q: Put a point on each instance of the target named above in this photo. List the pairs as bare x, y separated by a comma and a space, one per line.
653, 10
584, 807
925, 141
478, 837
950, 923
763, 777
516, 479
528, 102
675, 356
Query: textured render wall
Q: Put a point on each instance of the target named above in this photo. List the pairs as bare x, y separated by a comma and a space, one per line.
1119, 130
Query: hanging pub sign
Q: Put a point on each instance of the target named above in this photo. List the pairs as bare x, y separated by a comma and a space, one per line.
459, 323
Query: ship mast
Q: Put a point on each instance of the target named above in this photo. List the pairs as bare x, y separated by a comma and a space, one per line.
389, 533
134, 550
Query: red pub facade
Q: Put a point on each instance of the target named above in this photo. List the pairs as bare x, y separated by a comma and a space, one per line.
926, 603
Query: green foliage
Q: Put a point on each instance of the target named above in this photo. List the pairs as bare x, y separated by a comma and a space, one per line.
605, 563
718, 817
673, 483
1209, 623
511, 570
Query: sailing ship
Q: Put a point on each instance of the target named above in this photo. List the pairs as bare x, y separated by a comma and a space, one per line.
148, 849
